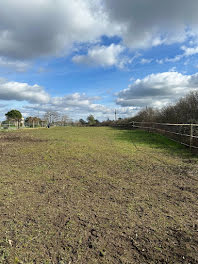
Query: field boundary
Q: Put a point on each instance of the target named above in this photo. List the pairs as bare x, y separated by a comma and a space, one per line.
185, 134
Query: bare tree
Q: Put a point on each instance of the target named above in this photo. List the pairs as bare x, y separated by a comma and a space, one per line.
51, 116
185, 110
64, 120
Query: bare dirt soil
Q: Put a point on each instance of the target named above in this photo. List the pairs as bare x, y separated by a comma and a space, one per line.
96, 195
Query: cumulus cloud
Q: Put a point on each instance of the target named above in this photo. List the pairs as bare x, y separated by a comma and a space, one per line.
29, 29
188, 51
75, 102
75, 105
22, 92
105, 56
78, 106
157, 89
153, 22
46, 27
37, 99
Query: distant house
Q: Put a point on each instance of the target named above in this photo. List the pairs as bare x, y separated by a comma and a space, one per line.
21, 123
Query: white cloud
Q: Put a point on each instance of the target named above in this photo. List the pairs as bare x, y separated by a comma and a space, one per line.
153, 22
22, 92
34, 28
105, 56
18, 66
80, 106
173, 69
75, 105
189, 51
175, 59
145, 61
33, 99
75, 102
157, 89
161, 61
47, 27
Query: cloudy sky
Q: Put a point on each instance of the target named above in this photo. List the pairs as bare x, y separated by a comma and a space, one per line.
86, 57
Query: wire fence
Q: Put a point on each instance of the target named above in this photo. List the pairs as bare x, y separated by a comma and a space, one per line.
185, 134
8, 126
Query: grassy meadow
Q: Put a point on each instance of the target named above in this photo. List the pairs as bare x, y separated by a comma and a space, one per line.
96, 195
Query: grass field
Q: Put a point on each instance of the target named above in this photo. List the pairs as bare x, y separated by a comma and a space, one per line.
96, 195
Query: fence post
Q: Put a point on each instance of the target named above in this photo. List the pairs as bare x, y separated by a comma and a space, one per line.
191, 135
153, 127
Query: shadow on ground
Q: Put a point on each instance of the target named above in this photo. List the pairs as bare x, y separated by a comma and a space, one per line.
153, 140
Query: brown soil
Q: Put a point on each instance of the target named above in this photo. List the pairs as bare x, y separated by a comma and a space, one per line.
86, 195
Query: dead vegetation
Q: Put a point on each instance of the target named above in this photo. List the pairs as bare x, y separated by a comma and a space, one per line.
17, 137
96, 195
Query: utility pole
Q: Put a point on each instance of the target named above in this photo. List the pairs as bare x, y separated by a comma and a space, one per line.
115, 115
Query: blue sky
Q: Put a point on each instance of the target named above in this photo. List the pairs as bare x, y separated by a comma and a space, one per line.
91, 57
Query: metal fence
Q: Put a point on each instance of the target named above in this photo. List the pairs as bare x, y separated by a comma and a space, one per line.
185, 134
8, 126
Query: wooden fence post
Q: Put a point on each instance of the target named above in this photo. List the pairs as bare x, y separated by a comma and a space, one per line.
191, 135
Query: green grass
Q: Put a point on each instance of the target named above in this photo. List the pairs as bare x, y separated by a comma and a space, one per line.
96, 195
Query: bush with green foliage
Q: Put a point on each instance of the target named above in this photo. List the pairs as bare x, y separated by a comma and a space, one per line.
91, 120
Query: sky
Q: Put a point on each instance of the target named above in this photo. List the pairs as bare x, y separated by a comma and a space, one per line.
85, 57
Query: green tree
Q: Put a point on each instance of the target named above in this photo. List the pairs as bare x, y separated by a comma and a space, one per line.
14, 115
33, 121
91, 120
82, 122
97, 122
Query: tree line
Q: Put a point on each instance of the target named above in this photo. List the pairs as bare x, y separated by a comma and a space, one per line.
184, 111
14, 118
52, 118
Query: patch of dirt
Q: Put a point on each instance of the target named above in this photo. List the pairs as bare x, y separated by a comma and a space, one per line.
12, 137
83, 199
